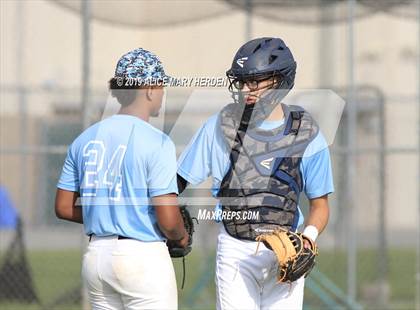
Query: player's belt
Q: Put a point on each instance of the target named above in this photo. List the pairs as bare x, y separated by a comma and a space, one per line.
118, 237
122, 237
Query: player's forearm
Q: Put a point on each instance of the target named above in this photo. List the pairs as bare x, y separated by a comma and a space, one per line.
66, 208
171, 229
170, 222
318, 213
177, 234
73, 215
168, 217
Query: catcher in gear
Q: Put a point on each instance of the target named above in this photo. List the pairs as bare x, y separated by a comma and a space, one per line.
262, 155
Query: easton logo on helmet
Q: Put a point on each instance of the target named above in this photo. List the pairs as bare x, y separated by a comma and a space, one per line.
241, 61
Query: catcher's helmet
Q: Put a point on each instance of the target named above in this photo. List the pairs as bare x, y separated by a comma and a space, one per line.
262, 58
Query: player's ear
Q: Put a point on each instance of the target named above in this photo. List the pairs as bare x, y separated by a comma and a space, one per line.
149, 93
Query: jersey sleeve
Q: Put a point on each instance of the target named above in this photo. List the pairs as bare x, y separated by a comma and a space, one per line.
69, 179
316, 168
161, 178
194, 162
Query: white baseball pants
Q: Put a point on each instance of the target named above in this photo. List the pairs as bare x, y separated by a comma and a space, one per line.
245, 280
129, 274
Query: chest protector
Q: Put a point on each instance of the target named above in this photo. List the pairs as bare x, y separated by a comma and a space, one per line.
264, 178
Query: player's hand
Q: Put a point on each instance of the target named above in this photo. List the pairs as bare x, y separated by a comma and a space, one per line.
310, 232
182, 248
306, 244
179, 248
184, 242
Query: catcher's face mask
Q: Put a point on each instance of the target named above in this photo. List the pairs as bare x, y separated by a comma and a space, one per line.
249, 89
253, 89
259, 93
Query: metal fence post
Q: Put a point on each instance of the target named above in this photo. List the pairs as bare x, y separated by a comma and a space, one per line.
85, 96
350, 163
418, 167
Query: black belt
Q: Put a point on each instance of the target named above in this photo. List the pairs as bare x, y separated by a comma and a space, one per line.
119, 237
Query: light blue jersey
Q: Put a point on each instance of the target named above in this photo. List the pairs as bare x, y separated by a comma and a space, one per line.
117, 165
207, 155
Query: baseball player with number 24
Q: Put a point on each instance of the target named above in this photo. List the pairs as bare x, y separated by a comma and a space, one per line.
124, 171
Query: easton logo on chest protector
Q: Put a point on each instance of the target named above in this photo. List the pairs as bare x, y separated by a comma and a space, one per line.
264, 172
266, 162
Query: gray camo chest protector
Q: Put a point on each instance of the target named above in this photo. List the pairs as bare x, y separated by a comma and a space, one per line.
264, 174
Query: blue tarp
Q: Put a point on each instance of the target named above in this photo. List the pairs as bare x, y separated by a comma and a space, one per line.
8, 214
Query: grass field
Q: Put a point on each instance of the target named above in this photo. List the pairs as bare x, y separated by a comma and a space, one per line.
57, 274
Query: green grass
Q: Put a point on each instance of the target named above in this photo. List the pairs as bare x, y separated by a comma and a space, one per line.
53, 274
401, 277
400, 274
57, 273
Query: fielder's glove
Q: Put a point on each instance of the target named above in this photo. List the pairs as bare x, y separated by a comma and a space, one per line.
294, 259
174, 249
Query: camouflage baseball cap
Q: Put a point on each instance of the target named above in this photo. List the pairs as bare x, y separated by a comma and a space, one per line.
142, 65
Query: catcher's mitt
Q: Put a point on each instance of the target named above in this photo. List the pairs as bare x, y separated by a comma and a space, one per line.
294, 259
174, 249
